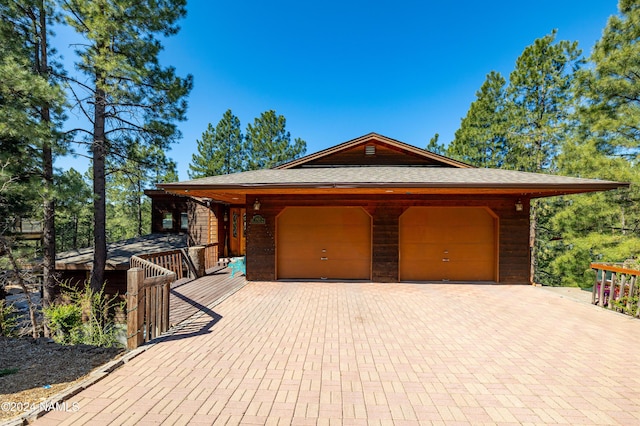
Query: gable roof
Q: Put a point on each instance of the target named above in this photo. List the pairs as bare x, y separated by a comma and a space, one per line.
374, 149
405, 169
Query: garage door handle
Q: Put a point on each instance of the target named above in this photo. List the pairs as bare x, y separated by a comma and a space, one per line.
324, 258
446, 259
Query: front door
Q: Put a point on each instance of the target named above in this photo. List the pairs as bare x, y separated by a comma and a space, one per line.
238, 225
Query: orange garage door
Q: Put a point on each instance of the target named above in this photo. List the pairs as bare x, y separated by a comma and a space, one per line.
448, 243
323, 243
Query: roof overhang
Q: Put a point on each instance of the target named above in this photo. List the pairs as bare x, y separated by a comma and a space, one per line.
237, 194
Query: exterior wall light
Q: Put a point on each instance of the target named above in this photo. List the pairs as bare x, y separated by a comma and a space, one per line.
256, 205
519, 206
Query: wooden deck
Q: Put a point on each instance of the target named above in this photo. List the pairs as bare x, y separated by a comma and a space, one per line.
189, 297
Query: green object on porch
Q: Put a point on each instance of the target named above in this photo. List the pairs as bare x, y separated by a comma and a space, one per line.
238, 264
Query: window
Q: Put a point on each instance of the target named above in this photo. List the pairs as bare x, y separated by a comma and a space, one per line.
184, 221
167, 221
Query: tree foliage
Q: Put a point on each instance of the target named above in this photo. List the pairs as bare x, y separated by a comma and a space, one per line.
539, 102
480, 140
604, 144
74, 217
33, 101
128, 208
131, 98
268, 143
220, 150
223, 149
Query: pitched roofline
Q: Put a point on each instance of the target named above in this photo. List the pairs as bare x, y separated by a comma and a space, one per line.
362, 139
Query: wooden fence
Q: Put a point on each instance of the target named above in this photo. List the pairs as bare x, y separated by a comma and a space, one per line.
148, 287
616, 287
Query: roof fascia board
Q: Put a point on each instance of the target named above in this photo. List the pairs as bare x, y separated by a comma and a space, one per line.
374, 136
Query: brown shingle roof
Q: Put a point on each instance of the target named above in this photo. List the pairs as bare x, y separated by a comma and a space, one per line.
386, 176
120, 252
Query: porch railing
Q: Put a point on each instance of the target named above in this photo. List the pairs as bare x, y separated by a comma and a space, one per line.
211, 255
172, 260
616, 287
148, 287
178, 260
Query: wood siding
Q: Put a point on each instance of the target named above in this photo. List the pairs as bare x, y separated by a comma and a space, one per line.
383, 155
513, 252
202, 219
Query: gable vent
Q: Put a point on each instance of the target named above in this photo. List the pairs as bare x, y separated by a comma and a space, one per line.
370, 150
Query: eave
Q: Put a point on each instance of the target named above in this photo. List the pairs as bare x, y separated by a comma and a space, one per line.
237, 194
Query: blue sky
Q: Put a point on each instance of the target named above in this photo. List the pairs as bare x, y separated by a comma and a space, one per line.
340, 69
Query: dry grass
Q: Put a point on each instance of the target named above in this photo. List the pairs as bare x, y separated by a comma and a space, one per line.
28, 365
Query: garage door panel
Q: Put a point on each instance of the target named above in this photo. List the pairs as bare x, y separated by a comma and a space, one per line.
324, 242
472, 271
447, 243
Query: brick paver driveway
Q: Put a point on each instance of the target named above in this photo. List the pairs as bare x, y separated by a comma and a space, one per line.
336, 353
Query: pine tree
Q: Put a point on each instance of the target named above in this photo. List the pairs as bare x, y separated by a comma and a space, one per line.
436, 147
220, 149
539, 102
480, 140
605, 144
613, 86
74, 218
131, 97
268, 143
128, 208
540, 99
32, 107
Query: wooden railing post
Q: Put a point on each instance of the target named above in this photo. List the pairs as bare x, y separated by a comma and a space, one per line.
135, 304
612, 290
594, 290
603, 283
166, 290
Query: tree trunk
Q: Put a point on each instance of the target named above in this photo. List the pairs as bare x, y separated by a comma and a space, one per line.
48, 225
99, 192
74, 236
139, 203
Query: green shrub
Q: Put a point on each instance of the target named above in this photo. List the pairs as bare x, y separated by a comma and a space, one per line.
8, 320
65, 322
85, 317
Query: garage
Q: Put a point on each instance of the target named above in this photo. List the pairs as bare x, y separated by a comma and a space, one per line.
323, 243
448, 244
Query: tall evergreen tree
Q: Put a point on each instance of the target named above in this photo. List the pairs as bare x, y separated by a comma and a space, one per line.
605, 144
268, 143
37, 100
220, 149
480, 140
539, 102
130, 97
613, 85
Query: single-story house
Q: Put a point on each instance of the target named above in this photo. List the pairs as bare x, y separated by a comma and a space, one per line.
73, 267
378, 209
